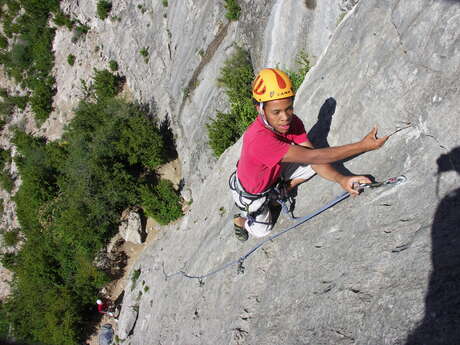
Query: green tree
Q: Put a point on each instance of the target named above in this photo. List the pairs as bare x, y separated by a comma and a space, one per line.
161, 201
236, 78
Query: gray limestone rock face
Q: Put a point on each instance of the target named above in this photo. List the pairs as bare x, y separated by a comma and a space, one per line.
382, 268
187, 43
131, 229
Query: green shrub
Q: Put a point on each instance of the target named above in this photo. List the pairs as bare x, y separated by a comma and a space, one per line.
103, 9
303, 62
6, 181
236, 77
134, 277
79, 31
62, 19
19, 101
106, 84
233, 9
165, 3
31, 59
41, 99
10, 102
5, 158
161, 202
9, 261
113, 65
223, 132
71, 59
11, 238
145, 53
3, 42
6, 108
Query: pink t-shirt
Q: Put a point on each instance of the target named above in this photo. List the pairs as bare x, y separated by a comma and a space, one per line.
259, 165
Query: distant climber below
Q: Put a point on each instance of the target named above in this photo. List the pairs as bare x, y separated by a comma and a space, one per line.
276, 152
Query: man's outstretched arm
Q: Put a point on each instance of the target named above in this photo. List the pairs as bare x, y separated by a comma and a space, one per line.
306, 155
328, 172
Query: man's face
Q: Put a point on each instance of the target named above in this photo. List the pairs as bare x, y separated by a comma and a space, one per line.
279, 113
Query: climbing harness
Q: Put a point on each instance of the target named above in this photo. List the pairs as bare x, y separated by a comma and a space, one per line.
236, 186
299, 221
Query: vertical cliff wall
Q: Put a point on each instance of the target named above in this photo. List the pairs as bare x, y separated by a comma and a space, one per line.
187, 43
378, 269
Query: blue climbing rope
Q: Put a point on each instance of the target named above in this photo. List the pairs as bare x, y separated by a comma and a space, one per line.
240, 261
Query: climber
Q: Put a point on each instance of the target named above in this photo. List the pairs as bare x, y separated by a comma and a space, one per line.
103, 308
276, 152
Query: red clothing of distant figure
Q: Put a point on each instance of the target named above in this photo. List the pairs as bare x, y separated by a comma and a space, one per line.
102, 308
259, 165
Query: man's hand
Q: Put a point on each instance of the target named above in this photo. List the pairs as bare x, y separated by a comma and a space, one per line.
371, 142
346, 182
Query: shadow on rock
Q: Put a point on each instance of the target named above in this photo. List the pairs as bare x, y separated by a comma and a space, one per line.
441, 323
168, 137
320, 130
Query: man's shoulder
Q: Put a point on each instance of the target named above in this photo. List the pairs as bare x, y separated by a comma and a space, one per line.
255, 130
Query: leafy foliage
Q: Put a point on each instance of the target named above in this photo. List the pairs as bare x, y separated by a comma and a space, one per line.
236, 77
29, 61
61, 19
79, 31
6, 182
106, 84
69, 204
297, 77
103, 9
161, 202
113, 65
71, 59
233, 9
11, 238
3, 42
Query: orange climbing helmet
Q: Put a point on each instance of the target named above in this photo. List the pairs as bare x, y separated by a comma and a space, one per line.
271, 84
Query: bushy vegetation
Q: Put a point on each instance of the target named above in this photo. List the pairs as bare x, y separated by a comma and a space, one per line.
103, 9
62, 19
106, 85
78, 32
233, 9
29, 58
113, 65
11, 238
236, 77
303, 63
8, 104
145, 53
69, 204
161, 202
6, 182
71, 59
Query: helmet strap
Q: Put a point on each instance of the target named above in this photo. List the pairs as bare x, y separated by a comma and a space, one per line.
264, 119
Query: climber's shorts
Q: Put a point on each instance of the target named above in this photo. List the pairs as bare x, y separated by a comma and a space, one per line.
263, 220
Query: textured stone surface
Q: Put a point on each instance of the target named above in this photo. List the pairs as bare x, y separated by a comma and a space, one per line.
379, 269
131, 229
188, 42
